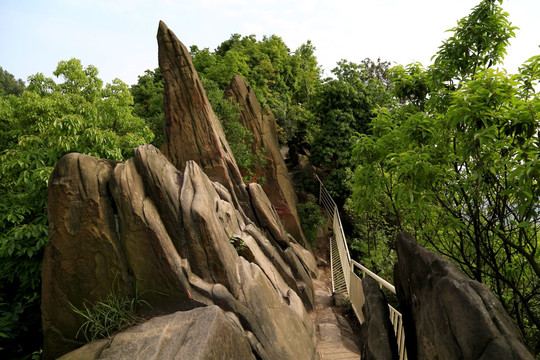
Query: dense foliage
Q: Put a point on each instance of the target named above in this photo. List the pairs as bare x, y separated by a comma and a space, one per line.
9, 85
148, 102
283, 81
457, 163
311, 216
48, 120
344, 106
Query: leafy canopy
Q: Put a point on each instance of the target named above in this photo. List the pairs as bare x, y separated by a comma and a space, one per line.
9, 85
283, 81
343, 107
456, 162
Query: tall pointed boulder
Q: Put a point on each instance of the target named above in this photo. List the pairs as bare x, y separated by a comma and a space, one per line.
446, 314
192, 130
277, 182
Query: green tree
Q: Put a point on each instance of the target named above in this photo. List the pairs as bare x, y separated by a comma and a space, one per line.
344, 107
457, 162
410, 85
283, 81
148, 102
47, 121
9, 85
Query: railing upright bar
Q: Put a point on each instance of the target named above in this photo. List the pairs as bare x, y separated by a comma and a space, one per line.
332, 268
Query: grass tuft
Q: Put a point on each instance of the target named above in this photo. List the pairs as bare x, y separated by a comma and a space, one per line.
109, 316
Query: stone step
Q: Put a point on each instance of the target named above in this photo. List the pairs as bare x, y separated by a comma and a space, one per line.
328, 350
332, 334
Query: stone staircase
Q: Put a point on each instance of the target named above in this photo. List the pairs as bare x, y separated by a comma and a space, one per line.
336, 339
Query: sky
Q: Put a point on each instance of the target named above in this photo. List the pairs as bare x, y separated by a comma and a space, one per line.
119, 36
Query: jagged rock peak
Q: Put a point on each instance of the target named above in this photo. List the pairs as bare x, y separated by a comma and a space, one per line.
277, 182
241, 93
192, 130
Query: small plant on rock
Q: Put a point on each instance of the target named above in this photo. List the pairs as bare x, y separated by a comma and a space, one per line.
238, 243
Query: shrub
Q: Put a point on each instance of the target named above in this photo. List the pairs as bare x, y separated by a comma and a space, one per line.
310, 217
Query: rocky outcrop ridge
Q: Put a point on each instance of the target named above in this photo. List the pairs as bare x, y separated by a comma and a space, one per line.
448, 315
277, 182
180, 227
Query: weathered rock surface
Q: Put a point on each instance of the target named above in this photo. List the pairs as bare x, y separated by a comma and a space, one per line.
83, 233
177, 268
202, 334
378, 340
192, 130
446, 314
183, 233
277, 182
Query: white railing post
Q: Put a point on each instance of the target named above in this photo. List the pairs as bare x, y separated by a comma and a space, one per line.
332, 268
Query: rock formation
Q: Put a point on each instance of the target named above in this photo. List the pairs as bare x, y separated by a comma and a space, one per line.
203, 333
448, 315
378, 340
192, 131
179, 227
277, 182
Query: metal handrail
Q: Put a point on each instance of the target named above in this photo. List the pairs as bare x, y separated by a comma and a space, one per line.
380, 280
326, 199
352, 281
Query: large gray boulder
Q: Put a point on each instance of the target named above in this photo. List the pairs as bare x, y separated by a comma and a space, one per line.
200, 334
83, 233
448, 315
